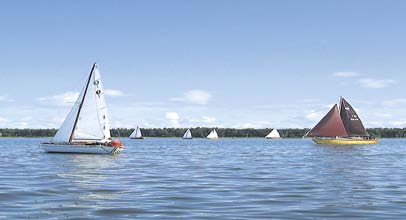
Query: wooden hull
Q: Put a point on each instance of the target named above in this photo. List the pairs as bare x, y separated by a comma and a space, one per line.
141, 138
81, 149
273, 138
343, 141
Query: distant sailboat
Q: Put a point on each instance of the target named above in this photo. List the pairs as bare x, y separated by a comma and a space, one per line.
136, 134
213, 134
342, 126
86, 128
274, 134
187, 135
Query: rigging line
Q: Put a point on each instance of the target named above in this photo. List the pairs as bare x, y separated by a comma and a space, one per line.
81, 103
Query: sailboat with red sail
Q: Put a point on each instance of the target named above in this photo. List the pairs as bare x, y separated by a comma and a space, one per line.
341, 126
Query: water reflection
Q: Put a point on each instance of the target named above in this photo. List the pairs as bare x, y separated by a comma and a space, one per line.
91, 174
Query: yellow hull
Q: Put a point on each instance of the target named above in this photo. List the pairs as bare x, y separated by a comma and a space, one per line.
345, 141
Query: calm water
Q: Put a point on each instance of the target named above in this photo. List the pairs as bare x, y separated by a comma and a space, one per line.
203, 179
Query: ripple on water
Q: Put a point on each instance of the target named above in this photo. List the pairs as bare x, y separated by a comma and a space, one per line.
200, 179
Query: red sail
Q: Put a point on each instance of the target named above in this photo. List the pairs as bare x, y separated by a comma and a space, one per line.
329, 126
352, 123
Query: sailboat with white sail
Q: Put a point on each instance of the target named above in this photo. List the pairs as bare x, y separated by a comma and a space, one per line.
188, 134
213, 134
136, 134
274, 134
86, 129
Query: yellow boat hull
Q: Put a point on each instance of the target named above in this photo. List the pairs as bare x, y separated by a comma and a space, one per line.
345, 141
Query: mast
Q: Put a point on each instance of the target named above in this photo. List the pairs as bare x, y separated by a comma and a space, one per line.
339, 104
81, 102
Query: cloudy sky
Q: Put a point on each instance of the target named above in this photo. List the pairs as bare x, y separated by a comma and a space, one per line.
204, 63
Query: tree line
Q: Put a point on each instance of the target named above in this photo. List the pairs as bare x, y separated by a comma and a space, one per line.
200, 132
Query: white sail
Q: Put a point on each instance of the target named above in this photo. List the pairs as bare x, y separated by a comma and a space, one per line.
213, 135
188, 134
132, 135
87, 120
274, 134
65, 131
136, 133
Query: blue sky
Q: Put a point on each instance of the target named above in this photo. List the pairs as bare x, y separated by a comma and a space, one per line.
204, 63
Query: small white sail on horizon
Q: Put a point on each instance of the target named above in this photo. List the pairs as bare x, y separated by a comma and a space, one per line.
187, 135
274, 134
213, 134
136, 134
86, 129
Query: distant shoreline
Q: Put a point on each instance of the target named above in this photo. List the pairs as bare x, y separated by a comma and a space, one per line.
199, 132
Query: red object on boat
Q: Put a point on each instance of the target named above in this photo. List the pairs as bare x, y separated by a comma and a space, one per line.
116, 143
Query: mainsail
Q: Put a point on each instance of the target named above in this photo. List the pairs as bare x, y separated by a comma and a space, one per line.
352, 122
136, 133
340, 121
273, 134
87, 120
188, 134
330, 125
213, 134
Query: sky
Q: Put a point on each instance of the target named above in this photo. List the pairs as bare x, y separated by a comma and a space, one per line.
212, 63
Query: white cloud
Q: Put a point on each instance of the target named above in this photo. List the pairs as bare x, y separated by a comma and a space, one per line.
386, 115
68, 98
346, 74
113, 92
398, 124
173, 118
65, 99
22, 124
205, 121
208, 119
258, 124
315, 115
3, 120
394, 102
199, 97
365, 82
376, 83
245, 125
6, 99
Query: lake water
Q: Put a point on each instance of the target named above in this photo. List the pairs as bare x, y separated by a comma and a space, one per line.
203, 179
